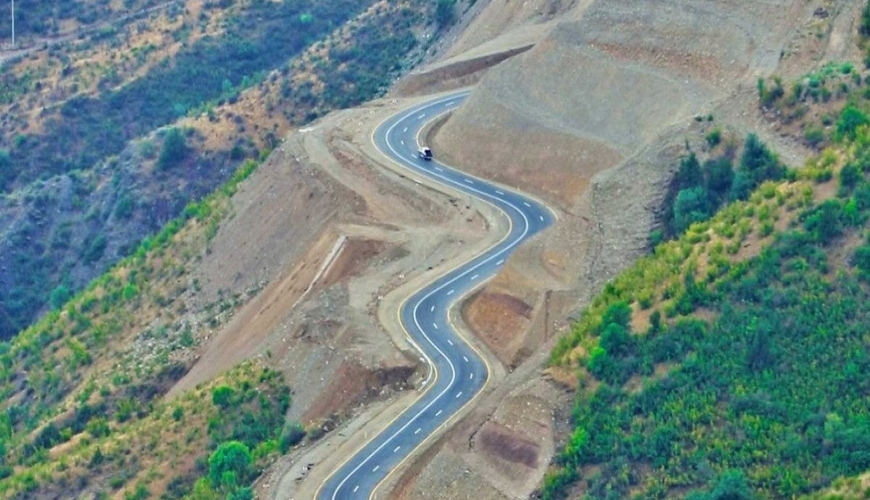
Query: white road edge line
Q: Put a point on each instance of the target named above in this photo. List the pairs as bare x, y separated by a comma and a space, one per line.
495, 255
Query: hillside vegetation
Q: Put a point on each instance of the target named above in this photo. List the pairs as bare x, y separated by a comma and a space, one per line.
165, 103
82, 413
732, 362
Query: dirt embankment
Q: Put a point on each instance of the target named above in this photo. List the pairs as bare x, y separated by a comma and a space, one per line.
327, 233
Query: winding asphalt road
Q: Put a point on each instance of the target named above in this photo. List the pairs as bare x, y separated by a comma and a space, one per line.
457, 371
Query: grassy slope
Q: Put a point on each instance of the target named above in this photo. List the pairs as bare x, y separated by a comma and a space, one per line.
66, 394
732, 362
188, 62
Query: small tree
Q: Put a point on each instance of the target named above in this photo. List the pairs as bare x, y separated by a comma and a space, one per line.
174, 149
850, 119
719, 175
59, 296
222, 396
864, 28
850, 175
690, 174
690, 206
445, 12
230, 465
6, 172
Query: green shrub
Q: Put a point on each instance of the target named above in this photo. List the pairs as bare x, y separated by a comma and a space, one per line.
175, 149
850, 119
59, 297
713, 137
231, 464
293, 435
445, 12
222, 396
95, 250
814, 136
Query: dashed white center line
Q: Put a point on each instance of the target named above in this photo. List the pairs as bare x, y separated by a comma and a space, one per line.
450, 292
439, 169
355, 488
438, 412
500, 262
460, 394
527, 204
499, 192
471, 376
417, 431
474, 277
449, 341
435, 325
542, 218
432, 309
421, 116
465, 358
376, 468
469, 181
396, 449
403, 142
413, 157
449, 104
406, 129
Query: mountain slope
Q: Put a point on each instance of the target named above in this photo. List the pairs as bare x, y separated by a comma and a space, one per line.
728, 364
76, 203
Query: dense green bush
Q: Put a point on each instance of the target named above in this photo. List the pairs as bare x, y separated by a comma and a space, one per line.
174, 150
697, 191
229, 466
765, 398
850, 119
445, 12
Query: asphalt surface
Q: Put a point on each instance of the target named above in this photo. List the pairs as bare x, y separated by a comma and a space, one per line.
457, 372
